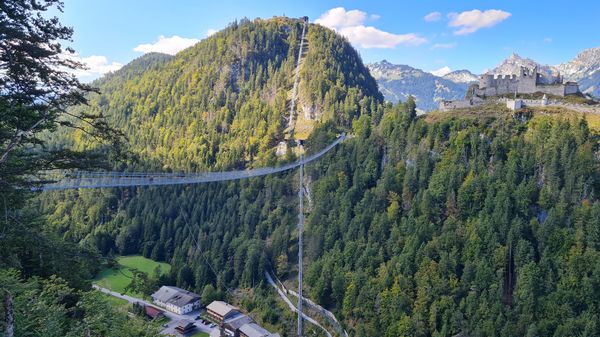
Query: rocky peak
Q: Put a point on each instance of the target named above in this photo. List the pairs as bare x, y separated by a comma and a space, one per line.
587, 63
461, 76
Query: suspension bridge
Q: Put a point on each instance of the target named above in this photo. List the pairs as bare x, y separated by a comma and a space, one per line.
65, 180
83, 179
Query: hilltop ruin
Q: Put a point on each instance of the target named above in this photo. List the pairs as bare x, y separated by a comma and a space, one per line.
528, 81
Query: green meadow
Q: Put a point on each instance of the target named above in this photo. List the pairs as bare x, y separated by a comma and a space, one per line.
117, 279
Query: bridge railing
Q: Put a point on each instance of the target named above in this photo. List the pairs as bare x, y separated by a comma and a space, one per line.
60, 180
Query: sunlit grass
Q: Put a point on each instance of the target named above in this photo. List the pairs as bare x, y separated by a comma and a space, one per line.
499, 110
118, 279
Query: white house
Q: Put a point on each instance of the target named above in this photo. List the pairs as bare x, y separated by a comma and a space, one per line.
177, 300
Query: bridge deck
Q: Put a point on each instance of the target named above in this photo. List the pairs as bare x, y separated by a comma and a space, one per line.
76, 180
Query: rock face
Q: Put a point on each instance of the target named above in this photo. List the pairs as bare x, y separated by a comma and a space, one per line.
397, 82
461, 76
512, 66
585, 69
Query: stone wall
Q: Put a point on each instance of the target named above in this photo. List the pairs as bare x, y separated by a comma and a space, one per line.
460, 104
499, 85
571, 88
527, 85
520, 103
555, 89
527, 82
514, 104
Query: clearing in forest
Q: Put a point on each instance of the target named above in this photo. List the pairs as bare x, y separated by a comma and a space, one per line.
116, 279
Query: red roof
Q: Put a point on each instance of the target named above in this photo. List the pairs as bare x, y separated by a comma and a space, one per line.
152, 311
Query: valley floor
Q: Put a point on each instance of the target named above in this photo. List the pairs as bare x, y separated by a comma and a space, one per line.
173, 317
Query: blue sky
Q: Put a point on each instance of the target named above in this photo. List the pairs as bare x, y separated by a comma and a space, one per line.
472, 35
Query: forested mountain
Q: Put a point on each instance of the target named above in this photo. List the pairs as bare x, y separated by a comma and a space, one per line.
486, 226
480, 224
437, 226
223, 103
137, 67
467, 223
220, 104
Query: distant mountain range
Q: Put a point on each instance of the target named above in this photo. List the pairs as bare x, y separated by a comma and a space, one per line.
585, 69
397, 82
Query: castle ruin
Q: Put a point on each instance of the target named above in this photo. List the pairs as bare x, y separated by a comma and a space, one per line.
528, 81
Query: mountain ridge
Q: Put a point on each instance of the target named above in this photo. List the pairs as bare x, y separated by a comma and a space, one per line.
461, 76
585, 69
397, 82
228, 95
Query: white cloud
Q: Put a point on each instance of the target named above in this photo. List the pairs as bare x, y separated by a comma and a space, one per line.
547, 40
371, 37
443, 46
168, 45
433, 16
210, 32
471, 21
442, 71
351, 25
338, 18
96, 66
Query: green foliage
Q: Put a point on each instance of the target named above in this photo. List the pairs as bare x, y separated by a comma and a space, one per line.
209, 294
49, 307
414, 227
223, 102
134, 275
479, 225
37, 88
459, 226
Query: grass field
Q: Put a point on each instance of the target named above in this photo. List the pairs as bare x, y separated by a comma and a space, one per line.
500, 111
118, 279
117, 303
593, 120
